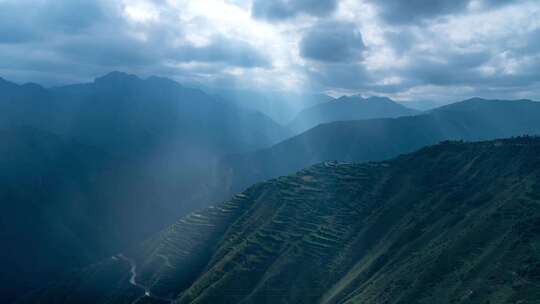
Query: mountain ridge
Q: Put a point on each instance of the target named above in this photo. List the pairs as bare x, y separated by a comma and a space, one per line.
452, 222
349, 108
378, 139
145, 144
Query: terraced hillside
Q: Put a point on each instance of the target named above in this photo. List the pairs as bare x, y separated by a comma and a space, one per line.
452, 223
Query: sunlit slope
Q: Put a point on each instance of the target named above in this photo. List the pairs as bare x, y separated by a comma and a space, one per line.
379, 139
452, 223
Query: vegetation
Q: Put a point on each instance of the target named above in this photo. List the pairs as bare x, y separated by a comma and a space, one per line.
452, 223
380, 139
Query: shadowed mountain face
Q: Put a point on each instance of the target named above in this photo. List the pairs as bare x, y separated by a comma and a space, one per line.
452, 223
55, 208
88, 169
122, 112
379, 139
348, 108
280, 106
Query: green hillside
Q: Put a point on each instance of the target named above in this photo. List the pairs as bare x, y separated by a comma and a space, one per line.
452, 223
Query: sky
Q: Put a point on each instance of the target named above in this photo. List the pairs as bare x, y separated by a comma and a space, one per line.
407, 50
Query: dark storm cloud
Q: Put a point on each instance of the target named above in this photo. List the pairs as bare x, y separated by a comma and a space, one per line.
499, 3
350, 76
452, 69
275, 10
234, 52
410, 46
401, 42
412, 11
399, 12
71, 16
93, 35
531, 45
24, 20
107, 50
332, 42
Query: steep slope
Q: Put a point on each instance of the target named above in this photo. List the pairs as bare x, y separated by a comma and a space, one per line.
453, 223
371, 140
83, 163
119, 109
348, 108
52, 212
160, 109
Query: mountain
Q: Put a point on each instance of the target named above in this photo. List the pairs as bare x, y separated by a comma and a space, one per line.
452, 223
379, 139
91, 168
348, 108
424, 105
53, 212
162, 110
280, 106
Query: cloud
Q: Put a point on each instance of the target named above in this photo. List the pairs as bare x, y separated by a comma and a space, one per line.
401, 41
406, 12
277, 10
95, 36
24, 20
231, 51
499, 3
332, 42
71, 16
341, 76
452, 69
397, 12
107, 50
530, 43
403, 49
15, 27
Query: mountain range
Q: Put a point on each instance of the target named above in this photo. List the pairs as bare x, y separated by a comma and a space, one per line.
452, 223
91, 169
379, 139
82, 163
282, 107
348, 108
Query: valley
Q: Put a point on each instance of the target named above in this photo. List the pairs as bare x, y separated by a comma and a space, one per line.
269, 152
442, 224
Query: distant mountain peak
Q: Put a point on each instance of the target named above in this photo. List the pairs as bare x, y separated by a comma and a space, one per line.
474, 99
353, 107
117, 77
380, 99
6, 82
356, 97
163, 80
478, 104
33, 86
